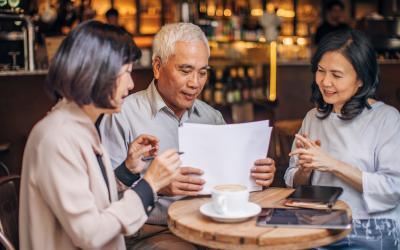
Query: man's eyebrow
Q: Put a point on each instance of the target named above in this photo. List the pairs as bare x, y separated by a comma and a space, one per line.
188, 66
181, 66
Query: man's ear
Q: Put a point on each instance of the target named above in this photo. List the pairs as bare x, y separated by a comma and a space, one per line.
156, 67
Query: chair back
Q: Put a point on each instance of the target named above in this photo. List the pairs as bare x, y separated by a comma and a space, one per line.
4, 148
283, 137
9, 209
5, 243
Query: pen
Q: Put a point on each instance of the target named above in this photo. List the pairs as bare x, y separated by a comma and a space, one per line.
151, 157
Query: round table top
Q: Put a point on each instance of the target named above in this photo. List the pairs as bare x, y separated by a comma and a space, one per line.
186, 221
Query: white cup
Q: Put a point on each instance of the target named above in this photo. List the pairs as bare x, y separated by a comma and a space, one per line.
229, 199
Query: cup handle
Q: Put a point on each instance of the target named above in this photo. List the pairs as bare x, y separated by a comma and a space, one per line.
221, 205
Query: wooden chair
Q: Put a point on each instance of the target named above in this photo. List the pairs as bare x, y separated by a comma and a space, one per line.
283, 136
5, 243
4, 148
9, 208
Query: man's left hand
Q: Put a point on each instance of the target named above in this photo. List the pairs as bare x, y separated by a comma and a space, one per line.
263, 171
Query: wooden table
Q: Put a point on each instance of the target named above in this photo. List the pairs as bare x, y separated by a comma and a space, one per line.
186, 221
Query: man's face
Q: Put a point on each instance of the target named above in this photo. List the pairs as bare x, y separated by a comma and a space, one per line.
113, 20
335, 15
181, 79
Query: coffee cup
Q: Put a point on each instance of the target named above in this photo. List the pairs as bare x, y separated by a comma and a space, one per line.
229, 199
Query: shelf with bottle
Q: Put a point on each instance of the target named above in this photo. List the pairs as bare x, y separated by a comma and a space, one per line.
239, 92
289, 49
235, 85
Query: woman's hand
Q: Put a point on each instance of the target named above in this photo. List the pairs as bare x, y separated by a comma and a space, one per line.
143, 145
300, 144
163, 169
311, 156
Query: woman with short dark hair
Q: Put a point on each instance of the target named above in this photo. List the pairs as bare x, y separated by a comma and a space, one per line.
69, 194
360, 142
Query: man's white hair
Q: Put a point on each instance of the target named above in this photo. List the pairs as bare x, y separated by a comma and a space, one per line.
165, 39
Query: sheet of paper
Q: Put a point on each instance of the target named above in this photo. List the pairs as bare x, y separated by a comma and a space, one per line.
225, 153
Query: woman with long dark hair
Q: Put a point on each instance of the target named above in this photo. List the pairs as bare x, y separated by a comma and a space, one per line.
359, 136
69, 194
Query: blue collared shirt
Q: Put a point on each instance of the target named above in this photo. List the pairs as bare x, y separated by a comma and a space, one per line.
145, 112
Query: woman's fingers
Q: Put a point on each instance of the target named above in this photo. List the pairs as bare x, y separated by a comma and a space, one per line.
307, 143
306, 157
299, 151
141, 151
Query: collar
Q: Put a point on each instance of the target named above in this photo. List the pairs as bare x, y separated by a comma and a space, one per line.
157, 104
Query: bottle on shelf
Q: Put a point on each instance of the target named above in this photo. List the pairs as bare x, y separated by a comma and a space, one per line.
246, 85
257, 92
230, 88
208, 91
219, 90
238, 84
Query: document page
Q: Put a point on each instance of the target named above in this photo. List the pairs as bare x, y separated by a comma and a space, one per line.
225, 153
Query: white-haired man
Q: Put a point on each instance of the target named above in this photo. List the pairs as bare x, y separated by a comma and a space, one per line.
180, 64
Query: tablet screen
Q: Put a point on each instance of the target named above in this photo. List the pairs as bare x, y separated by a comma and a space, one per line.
308, 218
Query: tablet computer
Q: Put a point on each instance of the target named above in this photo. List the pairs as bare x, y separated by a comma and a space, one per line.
312, 193
305, 218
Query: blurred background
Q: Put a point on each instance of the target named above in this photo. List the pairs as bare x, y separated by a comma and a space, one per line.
260, 55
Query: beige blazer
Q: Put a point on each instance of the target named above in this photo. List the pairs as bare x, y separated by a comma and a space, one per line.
64, 202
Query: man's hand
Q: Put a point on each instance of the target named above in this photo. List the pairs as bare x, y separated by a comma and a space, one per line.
163, 169
143, 145
185, 183
263, 171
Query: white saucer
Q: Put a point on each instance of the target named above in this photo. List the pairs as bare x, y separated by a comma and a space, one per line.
249, 210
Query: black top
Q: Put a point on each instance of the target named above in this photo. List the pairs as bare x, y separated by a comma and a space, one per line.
326, 28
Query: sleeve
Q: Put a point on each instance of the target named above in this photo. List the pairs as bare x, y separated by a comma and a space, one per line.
219, 119
115, 136
125, 176
146, 194
65, 186
292, 168
381, 190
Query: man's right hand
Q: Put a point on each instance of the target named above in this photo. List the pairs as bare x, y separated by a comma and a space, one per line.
163, 170
185, 183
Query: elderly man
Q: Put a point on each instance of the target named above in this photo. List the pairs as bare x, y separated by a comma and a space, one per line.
180, 64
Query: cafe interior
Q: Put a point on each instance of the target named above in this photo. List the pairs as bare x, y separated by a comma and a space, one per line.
259, 69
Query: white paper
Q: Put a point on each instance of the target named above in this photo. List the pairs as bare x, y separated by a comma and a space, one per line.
225, 153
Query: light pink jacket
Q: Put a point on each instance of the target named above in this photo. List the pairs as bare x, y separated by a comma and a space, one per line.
64, 202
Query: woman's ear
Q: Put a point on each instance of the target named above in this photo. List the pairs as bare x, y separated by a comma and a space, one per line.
156, 67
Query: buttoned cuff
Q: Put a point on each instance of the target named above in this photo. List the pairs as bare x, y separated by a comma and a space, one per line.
125, 176
146, 194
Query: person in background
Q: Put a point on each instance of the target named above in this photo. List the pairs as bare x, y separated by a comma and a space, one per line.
68, 197
333, 20
180, 64
112, 17
359, 141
